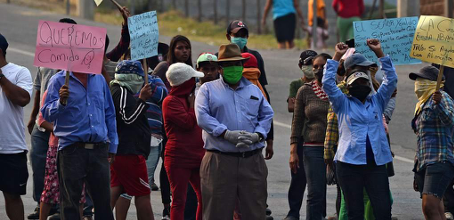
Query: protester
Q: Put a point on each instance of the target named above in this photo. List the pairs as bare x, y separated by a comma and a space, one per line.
184, 150
321, 28
251, 71
15, 91
284, 20
207, 64
179, 52
365, 168
86, 139
51, 192
234, 129
309, 125
305, 65
433, 124
348, 11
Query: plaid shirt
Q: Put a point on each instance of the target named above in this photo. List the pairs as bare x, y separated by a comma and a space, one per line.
434, 128
332, 129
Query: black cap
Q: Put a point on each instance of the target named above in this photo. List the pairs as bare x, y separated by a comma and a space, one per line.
3, 43
235, 26
306, 57
427, 72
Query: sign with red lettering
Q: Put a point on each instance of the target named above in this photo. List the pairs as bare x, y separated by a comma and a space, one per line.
71, 47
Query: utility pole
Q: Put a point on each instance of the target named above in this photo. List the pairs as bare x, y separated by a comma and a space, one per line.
227, 12
86, 9
68, 7
259, 17
215, 10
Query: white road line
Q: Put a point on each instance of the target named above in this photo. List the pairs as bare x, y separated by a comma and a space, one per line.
21, 51
403, 159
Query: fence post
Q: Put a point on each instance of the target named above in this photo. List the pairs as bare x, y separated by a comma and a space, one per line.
227, 12
259, 17
186, 8
244, 11
199, 5
215, 10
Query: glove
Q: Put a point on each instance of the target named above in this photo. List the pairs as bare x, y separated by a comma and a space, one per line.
232, 136
249, 138
241, 145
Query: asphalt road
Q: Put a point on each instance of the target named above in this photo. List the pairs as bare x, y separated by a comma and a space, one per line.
19, 26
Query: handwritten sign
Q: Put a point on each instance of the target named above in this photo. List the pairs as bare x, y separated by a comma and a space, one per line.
71, 47
434, 40
395, 35
144, 33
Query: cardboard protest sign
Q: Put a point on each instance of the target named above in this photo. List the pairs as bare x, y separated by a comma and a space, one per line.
434, 40
395, 35
71, 47
144, 33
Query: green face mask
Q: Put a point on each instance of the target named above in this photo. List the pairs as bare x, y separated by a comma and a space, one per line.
232, 74
241, 42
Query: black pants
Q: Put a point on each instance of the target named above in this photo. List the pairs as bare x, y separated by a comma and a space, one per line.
354, 178
76, 166
297, 187
163, 178
190, 208
448, 198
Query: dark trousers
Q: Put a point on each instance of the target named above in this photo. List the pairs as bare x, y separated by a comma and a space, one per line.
297, 187
190, 208
163, 178
354, 178
38, 154
448, 198
76, 166
315, 169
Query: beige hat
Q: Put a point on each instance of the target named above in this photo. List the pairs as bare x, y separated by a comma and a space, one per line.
178, 73
356, 75
230, 52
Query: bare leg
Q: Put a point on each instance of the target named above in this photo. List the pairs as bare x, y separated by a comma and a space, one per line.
44, 209
432, 207
121, 208
290, 44
143, 206
115, 192
14, 206
281, 45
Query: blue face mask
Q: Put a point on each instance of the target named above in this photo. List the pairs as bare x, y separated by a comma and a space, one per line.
241, 42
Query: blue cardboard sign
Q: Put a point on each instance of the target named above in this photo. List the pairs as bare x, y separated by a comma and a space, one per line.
395, 35
144, 33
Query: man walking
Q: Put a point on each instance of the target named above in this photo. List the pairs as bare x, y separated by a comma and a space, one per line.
84, 119
15, 91
236, 119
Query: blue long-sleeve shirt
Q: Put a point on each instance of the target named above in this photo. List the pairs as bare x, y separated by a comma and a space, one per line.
89, 115
218, 107
358, 120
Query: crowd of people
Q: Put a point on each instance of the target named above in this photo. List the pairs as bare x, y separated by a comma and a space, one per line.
97, 138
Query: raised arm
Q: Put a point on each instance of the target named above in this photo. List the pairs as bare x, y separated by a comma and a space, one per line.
335, 95
123, 45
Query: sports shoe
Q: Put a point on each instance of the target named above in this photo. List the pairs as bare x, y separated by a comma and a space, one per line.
35, 214
449, 216
154, 187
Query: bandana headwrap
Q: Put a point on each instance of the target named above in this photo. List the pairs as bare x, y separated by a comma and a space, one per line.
424, 89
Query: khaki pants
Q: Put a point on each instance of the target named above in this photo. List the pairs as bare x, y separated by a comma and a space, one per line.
228, 179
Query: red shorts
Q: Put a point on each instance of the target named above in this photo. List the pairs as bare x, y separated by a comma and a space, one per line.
130, 172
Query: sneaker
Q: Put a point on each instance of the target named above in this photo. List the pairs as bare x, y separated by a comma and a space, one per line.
268, 211
165, 214
449, 216
35, 214
154, 187
55, 216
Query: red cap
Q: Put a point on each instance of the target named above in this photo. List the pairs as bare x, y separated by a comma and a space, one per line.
252, 62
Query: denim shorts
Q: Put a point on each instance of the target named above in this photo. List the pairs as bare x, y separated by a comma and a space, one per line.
435, 178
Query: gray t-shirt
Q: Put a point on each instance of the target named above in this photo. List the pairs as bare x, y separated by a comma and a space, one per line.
42, 79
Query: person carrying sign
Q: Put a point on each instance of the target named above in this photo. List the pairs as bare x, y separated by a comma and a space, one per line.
433, 124
84, 119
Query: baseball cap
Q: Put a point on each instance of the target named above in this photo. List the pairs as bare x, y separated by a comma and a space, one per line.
129, 67
3, 43
252, 62
356, 75
305, 55
235, 26
357, 59
427, 72
178, 73
206, 57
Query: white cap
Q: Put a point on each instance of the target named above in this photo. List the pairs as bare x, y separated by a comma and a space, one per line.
356, 75
178, 73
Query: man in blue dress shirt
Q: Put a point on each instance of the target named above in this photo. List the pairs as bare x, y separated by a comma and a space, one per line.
84, 120
235, 118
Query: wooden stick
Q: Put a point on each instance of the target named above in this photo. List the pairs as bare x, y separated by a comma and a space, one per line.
66, 83
440, 77
145, 70
116, 4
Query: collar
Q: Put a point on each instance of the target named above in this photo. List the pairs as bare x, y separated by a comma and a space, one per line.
243, 83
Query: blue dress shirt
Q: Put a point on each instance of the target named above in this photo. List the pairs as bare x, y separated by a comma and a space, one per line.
358, 120
89, 115
218, 107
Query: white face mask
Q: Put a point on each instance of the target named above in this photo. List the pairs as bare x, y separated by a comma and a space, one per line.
308, 72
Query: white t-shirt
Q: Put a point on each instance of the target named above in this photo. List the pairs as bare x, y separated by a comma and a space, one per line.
12, 129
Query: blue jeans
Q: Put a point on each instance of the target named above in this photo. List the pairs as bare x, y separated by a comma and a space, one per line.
315, 168
38, 154
297, 187
354, 178
152, 162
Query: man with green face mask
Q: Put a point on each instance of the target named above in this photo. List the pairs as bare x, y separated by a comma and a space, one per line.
235, 118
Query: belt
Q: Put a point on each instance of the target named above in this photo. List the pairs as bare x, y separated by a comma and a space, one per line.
89, 146
238, 154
